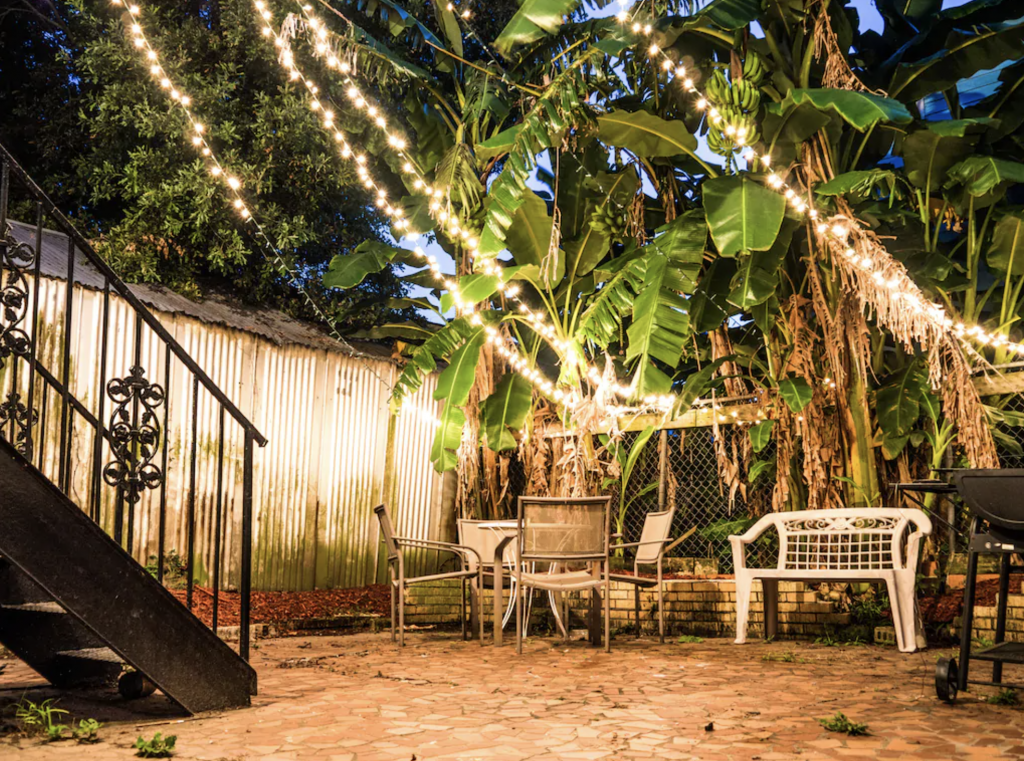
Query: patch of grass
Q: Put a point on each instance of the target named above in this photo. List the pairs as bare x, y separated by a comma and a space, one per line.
782, 657
839, 723
41, 718
837, 639
983, 642
158, 747
688, 639
1005, 697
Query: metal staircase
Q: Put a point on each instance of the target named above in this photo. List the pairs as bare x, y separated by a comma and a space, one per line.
86, 460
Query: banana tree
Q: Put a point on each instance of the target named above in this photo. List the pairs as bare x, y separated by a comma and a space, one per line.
641, 237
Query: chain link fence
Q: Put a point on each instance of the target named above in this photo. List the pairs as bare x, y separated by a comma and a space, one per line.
679, 468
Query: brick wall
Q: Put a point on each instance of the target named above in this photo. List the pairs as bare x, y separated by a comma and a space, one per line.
705, 608
985, 621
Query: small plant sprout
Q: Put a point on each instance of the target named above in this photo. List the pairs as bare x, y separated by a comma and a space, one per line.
689, 639
41, 718
1005, 697
158, 747
839, 723
87, 731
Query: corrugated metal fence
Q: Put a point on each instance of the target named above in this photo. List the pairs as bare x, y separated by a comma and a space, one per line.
335, 450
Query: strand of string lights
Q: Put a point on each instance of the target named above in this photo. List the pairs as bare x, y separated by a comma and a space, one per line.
535, 318
397, 143
229, 181
836, 231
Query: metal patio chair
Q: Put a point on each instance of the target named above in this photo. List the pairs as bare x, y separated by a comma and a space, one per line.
654, 544
470, 568
564, 533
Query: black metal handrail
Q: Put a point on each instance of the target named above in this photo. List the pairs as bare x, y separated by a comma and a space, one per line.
136, 438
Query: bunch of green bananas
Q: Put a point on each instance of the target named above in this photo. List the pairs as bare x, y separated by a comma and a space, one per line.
738, 102
753, 68
609, 221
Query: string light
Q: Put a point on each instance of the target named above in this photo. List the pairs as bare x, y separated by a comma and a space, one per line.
835, 231
286, 58
232, 184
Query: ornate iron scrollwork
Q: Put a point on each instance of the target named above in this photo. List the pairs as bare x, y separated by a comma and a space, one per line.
24, 419
135, 434
15, 259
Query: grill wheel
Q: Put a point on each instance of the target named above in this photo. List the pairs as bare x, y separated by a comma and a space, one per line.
945, 679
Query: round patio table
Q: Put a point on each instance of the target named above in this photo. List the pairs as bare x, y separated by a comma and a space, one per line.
509, 528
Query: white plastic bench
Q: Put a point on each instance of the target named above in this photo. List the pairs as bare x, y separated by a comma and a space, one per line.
850, 545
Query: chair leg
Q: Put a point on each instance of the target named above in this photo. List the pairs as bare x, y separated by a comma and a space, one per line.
743, 583
661, 607
519, 619
636, 607
401, 603
607, 612
394, 602
462, 615
497, 600
480, 602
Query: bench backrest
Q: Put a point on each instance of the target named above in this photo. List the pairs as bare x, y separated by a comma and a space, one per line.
847, 539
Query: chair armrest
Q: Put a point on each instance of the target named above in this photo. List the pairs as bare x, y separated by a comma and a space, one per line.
458, 549
636, 544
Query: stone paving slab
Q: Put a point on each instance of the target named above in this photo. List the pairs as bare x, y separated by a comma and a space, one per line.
359, 698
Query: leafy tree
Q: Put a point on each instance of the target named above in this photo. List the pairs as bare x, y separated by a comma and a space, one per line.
85, 117
581, 169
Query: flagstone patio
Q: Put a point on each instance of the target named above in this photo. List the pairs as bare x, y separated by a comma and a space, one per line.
357, 698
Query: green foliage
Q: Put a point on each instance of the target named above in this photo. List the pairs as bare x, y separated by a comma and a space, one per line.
689, 639
742, 215
761, 434
41, 718
1007, 697
645, 134
156, 747
787, 657
87, 731
175, 569
861, 110
839, 723
505, 409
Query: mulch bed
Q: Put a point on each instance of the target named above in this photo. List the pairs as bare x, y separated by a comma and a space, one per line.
942, 609
279, 607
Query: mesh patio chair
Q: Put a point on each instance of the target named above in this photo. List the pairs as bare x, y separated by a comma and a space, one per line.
651, 550
564, 533
470, 568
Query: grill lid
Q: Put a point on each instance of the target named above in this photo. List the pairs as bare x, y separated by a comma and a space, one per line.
995, 495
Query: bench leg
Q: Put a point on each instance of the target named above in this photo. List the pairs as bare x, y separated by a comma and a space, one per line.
743, 583
770, 587
899, 615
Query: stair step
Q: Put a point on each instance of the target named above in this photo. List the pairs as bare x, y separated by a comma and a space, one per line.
35, 607
104, 654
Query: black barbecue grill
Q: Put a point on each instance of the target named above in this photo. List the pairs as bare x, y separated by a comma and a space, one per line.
996, 501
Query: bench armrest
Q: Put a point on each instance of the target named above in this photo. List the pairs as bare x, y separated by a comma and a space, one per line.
739, 543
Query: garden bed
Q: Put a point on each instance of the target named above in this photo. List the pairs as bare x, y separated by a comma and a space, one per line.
282, 607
